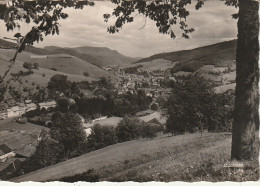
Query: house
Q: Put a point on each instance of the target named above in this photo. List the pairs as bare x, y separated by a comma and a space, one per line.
28, 101
88, 131
46, 105
154, 121
30, 106
5, 153
15, 112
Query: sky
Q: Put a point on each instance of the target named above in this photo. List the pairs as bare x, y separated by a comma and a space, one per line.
212, 23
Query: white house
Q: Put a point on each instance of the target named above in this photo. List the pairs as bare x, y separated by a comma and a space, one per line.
15, 112
30, 106
46, 105
27, 101
88, 131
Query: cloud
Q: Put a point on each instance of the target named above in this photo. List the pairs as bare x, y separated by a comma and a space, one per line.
213, 23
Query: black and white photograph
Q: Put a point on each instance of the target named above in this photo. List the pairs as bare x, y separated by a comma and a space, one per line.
115, 91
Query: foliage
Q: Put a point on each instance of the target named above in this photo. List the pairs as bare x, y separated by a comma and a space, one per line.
113, 104
86, 74
150, 130
90, 176
193, 105
164, 13
48, 151
58, 82
63, 104
128, 129
101, 136
132, 70
155, 106
35, 65
45, 16
68, 131
27, 65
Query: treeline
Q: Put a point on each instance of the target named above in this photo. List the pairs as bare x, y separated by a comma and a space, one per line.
105, 102
129, 128
193, 105
113, 104
67, 139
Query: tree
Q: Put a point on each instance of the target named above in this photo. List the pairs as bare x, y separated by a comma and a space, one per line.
67, 130
128, 129
63, 104
35, 65
101, 136
27, 65
59, 83
173, 12
247, 76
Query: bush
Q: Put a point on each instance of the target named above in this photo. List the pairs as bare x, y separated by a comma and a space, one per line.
193, 105
35, 66
155, 106
86, 74
101, 136
27, 65
150, 130
129, 129
90, 176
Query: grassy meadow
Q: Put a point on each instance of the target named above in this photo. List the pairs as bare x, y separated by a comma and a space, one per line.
165, 158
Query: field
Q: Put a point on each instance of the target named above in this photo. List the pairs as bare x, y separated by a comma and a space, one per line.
165, 158
10, 124
112, 121
220, 54
157, 64
62, 62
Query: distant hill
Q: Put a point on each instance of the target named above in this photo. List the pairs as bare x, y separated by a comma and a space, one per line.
62, 63
99, 56
220, 54
34, 50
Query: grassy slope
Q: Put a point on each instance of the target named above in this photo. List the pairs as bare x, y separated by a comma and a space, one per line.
220, 54
39, 78
156, 64
99, 56
63, 63
163, 159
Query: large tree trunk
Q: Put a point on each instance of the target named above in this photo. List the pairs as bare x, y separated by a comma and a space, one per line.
246, 115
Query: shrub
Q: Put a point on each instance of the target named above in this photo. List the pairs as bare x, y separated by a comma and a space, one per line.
150, 130
86, 74
129, 129
101, 136
54, 69
27, 65
35, 66
90, 176
155, 106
